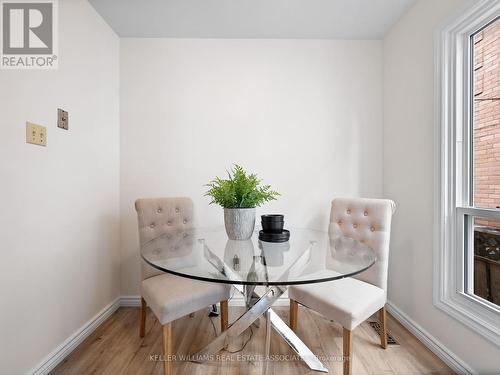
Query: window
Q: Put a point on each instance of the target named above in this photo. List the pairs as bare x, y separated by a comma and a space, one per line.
484, 232
467, 247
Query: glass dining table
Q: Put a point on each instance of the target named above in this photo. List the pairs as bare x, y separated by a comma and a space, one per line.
309, 257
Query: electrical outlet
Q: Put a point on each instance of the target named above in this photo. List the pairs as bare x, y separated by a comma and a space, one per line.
62, 119
36, 134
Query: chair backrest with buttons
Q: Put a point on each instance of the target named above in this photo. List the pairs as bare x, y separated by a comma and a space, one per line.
157, 216
368, 221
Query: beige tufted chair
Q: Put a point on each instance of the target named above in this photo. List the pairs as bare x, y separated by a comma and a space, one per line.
171, 297
352, 300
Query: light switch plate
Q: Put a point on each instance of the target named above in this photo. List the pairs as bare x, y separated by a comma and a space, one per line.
36, 134
62, 119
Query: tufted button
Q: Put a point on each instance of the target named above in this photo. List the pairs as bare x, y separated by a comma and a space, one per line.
365, 213
355, 225
348, 211
340, 222
159, 210
177, 210
152, 225
184, 221
372, 229
169, 222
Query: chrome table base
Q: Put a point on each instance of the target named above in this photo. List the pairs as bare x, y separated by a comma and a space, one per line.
295, 343
240, 325
261, 307
256, 307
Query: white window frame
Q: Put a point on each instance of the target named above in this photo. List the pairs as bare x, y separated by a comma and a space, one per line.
452, 172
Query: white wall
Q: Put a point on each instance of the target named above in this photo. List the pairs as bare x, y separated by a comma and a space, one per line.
408, 178
306, 115
59, 221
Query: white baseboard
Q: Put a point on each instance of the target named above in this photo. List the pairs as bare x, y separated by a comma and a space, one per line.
65, 348
433, 344
130, 301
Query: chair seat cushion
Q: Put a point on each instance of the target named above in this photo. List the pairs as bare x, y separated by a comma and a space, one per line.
171, 297
347, 301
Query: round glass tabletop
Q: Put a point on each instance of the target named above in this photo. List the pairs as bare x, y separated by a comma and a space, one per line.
207, 254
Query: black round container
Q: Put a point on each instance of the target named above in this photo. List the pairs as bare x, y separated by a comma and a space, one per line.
272, 223
273, 217
284, 236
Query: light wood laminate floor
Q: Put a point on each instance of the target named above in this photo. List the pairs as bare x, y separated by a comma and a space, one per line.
116, 348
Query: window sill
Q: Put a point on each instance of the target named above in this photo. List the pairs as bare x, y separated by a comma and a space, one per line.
473, 313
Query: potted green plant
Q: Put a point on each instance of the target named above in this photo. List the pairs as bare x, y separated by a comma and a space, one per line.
239, 194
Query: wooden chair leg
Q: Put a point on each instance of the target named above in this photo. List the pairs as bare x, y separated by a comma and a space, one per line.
223, 315
294, 310
347, 338
167, 349
142, 327
383, 327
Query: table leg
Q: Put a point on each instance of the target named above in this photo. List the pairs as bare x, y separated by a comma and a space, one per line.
251, 297
296, 343
262, 306
240, 325
268, 341
254, 312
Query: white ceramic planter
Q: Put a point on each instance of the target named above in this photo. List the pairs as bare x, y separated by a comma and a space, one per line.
239, 222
